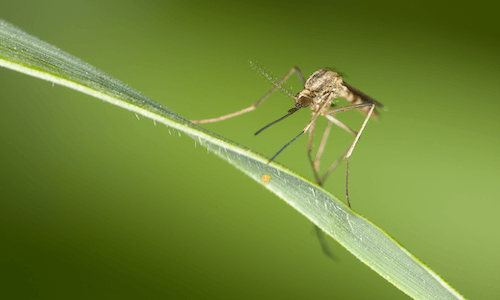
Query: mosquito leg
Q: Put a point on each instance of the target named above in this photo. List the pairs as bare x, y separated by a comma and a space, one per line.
340, 124
333, 167
310, 127
309, 150
316, 161
322, 241
348, 150
321, 148
315, 166
347, 180
329, 116
254, 106
322, 145
351, 148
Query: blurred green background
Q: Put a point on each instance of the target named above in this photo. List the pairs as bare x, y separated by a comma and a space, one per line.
96, 204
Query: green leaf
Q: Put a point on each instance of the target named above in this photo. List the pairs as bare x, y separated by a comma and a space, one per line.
27, 54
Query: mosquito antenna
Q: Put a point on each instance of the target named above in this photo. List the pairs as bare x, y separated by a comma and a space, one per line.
276, 84
272, 158
290, 111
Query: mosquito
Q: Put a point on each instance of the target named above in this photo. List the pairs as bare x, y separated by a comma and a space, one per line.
319, 92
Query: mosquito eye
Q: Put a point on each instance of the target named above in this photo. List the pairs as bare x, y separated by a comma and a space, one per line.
304, 101
266, 178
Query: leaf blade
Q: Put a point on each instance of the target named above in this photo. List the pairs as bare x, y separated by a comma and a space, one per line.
27, 54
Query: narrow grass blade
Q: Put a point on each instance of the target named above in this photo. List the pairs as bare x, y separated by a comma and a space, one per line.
24, 53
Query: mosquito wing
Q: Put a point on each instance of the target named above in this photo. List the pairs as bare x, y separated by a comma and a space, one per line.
364, 97
357, 97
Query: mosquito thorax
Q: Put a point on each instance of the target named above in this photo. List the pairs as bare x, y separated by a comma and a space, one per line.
323, 79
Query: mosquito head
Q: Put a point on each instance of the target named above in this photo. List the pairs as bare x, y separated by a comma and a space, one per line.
304, 98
